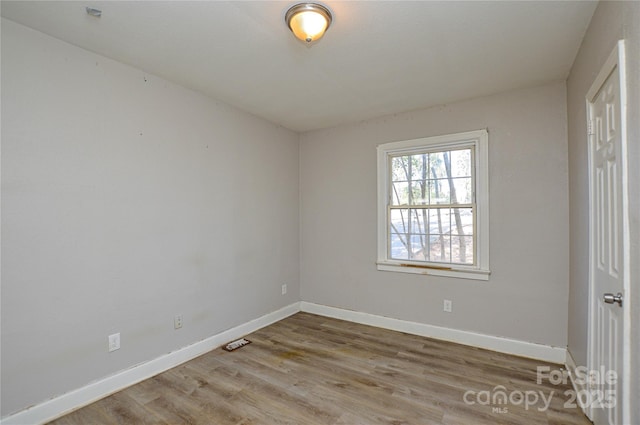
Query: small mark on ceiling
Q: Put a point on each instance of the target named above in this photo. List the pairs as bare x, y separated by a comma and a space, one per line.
94, 12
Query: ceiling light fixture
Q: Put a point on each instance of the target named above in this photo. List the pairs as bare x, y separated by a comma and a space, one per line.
308, 21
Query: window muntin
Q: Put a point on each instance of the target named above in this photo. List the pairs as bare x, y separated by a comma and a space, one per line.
433, 206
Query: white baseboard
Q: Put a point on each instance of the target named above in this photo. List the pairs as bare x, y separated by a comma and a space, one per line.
579, 385
570, 363
80, 397
61, 405
504, 345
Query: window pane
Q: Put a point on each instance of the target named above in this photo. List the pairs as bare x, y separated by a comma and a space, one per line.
419, 247
461, 163
462, 249
439, 221
400, 195
440, 191
462, 221
419, 220
463, 193
399, 220
398, 246
436, 165
420, 193
420, 166
440, 249
399, 168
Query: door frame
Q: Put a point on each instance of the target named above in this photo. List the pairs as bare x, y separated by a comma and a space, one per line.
614, 63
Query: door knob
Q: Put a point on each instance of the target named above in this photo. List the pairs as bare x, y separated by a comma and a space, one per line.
610, 298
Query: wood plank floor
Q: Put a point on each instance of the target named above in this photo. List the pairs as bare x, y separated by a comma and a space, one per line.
309, 369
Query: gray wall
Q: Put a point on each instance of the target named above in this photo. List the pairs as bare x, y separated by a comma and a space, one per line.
611, 21
526, 296
127, 199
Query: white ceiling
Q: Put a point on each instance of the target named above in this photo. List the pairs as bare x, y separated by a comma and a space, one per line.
377, 58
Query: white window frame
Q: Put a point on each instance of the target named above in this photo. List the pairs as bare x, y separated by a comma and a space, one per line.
479, 140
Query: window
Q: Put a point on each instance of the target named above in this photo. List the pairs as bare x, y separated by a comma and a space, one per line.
433, 206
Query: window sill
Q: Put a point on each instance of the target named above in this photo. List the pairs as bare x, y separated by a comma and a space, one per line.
462, 273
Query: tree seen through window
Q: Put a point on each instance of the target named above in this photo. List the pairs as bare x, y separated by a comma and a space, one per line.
431, 209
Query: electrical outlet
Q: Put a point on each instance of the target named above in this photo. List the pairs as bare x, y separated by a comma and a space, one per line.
448, 306
177, 321
284, 289
114, 342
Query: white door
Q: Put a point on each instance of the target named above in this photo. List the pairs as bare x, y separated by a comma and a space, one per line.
607, 259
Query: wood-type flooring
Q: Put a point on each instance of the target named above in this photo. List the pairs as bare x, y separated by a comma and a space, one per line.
308, 369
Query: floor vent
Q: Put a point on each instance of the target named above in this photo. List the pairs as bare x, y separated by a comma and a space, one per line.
239, 343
